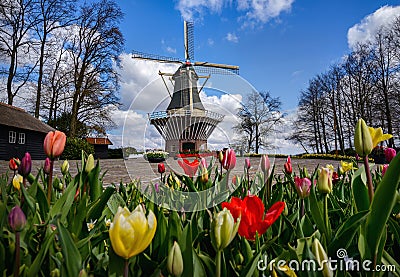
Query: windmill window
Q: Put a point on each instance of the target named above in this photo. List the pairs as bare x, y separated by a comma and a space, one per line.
21, 138
12, 136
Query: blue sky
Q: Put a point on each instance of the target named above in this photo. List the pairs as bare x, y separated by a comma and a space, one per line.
279, 45
279, 54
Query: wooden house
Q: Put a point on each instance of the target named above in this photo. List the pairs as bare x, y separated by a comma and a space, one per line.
100, 146
20, 132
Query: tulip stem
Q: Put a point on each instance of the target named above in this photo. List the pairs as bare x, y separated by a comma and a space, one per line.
369, 179
50, 182
301, 208
17, 253
218, 263
126, 268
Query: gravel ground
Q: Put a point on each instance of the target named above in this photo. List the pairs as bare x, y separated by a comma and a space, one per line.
119, 170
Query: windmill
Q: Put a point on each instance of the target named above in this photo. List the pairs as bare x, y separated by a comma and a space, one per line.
186, 124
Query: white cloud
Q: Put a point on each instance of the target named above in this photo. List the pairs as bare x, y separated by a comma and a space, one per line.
370, 25
210, 42
232, 37
171, 50
255, 11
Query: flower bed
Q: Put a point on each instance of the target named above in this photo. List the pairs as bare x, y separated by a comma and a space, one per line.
205, 222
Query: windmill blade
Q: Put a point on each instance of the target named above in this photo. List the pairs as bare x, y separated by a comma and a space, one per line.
212, 66
188, 32
155, 58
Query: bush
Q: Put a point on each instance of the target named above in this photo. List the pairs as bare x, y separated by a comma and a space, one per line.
73, 149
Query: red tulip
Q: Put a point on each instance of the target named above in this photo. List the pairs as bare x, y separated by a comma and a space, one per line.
335, 177
14, 163
54, 144
251, 210
390, 153
229, 159
161, 168
190, 168
288, 166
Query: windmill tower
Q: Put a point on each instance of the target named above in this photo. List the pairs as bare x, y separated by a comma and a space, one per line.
186, 124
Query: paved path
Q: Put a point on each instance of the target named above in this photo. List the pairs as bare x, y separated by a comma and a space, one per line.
119, 170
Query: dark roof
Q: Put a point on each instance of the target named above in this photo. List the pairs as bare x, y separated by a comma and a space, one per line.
19, 118
184, 85
97, 141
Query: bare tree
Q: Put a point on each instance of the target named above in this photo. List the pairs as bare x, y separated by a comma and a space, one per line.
94, 50
258, 116
52, 15
17, 20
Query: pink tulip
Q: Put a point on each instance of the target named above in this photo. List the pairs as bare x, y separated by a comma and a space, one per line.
384, 168
54, 144
47, 167
229, 160
265, 164
247, 163
390, 153
303, 186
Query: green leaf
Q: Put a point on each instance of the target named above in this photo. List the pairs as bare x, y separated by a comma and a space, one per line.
347, 231
94, 183
316, 212
95, 209
41, 255
381, 206
360, 190
72, 257
114, 202
29, 200
208, 263
67, 197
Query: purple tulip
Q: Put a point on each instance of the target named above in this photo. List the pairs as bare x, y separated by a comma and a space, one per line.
157, 187
26, 165
265, 164
16, 219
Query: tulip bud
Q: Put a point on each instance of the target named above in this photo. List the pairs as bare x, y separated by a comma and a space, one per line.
265, 164
325, 181
229, 159
384, 168
55, 273
16, 219
46, 167
390, 153
322, 258
26, 165
175, 260
89, 163
82, 273
161, 168
288, 166
13, 164
362, 139
223, 229
54, 144
220, 156
247, 163
65, 167
17, 180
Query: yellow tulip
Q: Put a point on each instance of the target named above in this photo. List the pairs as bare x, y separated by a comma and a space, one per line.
324, 182
377, 135
345, 166
17, 180
223, 229
131, 233
322, 258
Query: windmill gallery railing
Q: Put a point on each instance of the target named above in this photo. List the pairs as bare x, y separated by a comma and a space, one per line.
185, 124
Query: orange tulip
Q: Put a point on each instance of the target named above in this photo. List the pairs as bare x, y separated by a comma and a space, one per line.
54, 144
